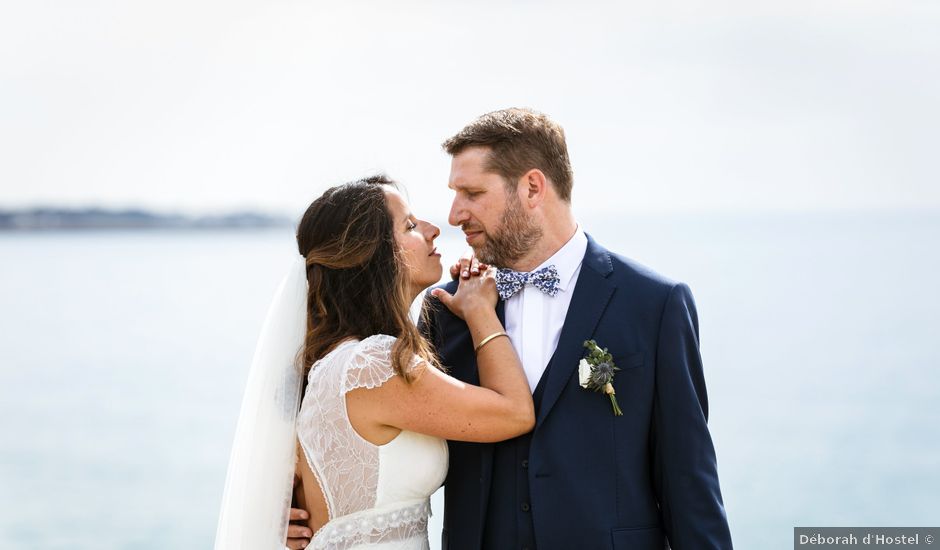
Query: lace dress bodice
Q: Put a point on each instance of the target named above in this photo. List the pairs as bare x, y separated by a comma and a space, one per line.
377, 495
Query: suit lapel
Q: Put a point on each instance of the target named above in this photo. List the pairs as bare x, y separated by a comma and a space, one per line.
591, 295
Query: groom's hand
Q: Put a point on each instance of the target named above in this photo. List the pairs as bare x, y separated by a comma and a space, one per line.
466, 266
298, 536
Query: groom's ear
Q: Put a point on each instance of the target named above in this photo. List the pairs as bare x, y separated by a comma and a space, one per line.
534, 185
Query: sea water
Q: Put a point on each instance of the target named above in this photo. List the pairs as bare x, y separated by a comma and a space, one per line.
123, 356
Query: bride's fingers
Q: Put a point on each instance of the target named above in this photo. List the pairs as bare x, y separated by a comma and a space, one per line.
467, 264
474, 266
480, 268
461, 269
444, 297
467, 268
464, 264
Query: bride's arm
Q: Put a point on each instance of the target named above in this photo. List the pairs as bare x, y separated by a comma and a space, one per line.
440, 405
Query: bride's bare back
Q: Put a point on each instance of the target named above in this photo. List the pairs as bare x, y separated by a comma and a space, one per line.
309, 495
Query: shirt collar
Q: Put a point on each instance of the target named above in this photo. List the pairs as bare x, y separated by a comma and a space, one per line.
568, 258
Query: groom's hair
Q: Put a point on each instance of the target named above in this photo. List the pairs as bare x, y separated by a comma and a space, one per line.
519, 139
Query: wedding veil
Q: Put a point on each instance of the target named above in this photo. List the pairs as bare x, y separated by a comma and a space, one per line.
259, 484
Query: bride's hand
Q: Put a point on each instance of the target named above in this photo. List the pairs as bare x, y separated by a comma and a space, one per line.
475, 295
466, 266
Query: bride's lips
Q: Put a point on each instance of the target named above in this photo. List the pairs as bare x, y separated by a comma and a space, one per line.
434, 252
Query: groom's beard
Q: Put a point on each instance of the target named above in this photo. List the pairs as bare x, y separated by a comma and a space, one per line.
516, 235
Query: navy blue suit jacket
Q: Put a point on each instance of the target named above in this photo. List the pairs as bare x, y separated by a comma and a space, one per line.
597, 480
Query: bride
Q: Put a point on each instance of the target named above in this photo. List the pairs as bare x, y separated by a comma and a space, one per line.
346, 394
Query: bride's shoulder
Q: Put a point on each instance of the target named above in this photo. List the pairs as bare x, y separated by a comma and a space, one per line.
377, 343
344, 349
370, 364
361, 363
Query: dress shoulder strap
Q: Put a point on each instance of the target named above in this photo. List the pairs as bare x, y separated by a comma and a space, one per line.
370, 364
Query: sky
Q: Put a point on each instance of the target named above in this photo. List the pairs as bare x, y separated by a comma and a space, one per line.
719, 106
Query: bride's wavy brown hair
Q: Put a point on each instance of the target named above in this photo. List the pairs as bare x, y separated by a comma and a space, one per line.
356, 276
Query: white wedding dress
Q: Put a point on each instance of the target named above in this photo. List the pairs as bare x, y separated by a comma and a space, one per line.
377, 495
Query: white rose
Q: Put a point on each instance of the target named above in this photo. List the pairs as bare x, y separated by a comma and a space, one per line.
584, 373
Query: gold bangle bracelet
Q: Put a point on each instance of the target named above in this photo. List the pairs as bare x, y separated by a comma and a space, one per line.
486, 340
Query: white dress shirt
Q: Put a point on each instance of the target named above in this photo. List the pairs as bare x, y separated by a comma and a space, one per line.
534, 319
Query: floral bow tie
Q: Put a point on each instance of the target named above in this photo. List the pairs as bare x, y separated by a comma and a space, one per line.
509, 282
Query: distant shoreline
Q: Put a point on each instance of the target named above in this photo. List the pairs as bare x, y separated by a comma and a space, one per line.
58, 219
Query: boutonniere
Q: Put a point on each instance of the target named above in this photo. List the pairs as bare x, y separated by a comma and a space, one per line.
596, 372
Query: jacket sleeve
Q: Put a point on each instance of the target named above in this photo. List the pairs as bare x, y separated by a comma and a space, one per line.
685, 470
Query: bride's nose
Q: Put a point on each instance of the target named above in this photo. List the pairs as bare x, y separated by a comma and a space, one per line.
431, 231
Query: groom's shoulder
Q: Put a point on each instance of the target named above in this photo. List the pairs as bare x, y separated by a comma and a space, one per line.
632, 272
449, 286
641, 273
647, 289
433, 307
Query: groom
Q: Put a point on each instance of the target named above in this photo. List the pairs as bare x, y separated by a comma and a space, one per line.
584, 478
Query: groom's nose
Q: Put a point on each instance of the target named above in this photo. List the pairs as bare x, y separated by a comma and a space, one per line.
457, 214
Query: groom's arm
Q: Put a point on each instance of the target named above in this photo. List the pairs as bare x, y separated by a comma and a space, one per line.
685, 471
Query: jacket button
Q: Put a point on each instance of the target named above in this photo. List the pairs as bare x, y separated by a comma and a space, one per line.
525, 463
525, 506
